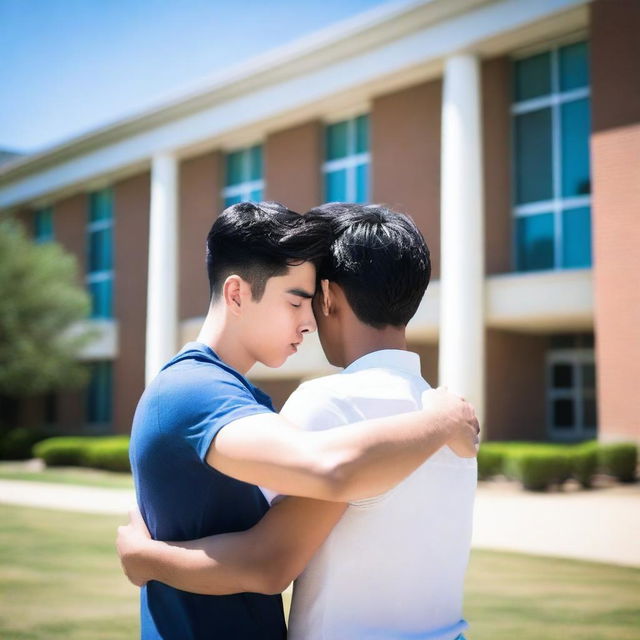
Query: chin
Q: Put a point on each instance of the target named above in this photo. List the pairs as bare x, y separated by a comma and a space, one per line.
274, 362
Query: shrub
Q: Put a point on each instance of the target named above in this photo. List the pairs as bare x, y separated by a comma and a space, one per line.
584, 462
491, 457
538, 467
16, 444
63, 451
619, 460
110, 453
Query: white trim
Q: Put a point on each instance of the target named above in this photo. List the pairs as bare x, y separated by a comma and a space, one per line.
242, 189
535, 104
398, 49
549, 206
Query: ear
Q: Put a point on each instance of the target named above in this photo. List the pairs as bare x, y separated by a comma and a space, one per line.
326, 301
232, 294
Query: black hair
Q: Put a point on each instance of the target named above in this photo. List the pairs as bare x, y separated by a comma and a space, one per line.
379, 258
258, 241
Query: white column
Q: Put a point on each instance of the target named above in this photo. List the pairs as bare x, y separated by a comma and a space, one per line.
162, 294
461, 357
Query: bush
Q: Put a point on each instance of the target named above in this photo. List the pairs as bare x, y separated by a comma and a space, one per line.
66, 451
538, 467
584, 462
619, 460
491, 457
111, 454
106, 452
16, 444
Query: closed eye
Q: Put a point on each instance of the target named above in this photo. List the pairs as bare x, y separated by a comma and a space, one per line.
297, 306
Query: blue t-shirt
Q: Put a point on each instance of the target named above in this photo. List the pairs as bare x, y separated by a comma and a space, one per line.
181, 497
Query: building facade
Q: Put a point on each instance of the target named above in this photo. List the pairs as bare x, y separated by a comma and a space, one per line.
509, 130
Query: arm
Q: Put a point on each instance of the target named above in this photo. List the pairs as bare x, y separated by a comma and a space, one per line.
263, 559
346, 463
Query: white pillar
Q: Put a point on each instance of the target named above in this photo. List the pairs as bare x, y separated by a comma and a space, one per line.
162, 294
461, 357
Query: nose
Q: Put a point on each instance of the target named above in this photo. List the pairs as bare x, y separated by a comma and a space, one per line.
309, 323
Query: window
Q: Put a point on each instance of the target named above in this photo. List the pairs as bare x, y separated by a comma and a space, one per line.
571, 389
347, 158
243, 176
99, 395
43, 226
552, 173
100, 253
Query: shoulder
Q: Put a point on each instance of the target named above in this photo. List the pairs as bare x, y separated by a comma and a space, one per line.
318, 404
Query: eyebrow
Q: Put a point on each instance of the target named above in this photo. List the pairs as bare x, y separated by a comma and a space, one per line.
301, 293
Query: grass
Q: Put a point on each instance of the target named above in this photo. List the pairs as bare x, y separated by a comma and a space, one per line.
60, 578
67, 475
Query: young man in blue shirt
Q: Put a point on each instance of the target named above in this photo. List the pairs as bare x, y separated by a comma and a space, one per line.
203, 437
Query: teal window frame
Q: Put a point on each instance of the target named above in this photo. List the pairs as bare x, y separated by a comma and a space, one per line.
250, 187
100, 279
43, 230
99, 396
564, 256
355, 166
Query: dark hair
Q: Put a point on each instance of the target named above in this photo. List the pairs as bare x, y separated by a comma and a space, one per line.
379, 258
260, 240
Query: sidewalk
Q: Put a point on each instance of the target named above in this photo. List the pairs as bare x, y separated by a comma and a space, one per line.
601, 525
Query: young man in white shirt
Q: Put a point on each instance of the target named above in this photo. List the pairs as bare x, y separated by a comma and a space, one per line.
394, 565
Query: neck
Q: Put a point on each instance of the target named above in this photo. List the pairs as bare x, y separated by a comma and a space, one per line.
218, 334
361, 339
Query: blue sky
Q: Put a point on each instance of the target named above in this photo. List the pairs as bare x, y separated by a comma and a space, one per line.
72, 65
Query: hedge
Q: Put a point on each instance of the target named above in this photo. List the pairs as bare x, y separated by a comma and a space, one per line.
540, 465
16, 444
619, 460
106, 452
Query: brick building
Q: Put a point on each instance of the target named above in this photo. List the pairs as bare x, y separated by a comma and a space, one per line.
509, 130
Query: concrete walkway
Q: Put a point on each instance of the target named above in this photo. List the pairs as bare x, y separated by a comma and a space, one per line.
601, 525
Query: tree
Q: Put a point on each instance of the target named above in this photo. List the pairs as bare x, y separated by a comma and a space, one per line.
41, 313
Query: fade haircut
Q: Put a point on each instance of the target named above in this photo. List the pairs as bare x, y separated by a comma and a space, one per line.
380, 260
258, 241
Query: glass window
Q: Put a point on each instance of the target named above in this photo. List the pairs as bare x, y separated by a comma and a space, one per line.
43, 226
574, 66
244, 176
551, 165
338, 140
100, 253
532, 77
336, 186
534, 167
346, 169
535, 242
575, 128
571, 391
99, 395
576, 237
562, 376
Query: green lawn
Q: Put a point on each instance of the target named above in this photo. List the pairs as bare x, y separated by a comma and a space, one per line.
67, 475
60, 578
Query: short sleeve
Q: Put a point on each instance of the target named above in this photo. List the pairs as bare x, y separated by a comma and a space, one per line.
213, 406
310, 409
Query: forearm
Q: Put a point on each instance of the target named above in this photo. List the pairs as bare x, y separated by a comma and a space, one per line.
217, 565
371, 457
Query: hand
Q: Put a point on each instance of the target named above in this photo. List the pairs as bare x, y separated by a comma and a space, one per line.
132, 539
458, 418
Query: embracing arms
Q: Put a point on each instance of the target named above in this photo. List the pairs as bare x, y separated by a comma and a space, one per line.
346, 463
263, 559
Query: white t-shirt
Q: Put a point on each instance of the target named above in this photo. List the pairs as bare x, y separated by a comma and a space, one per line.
394, 565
